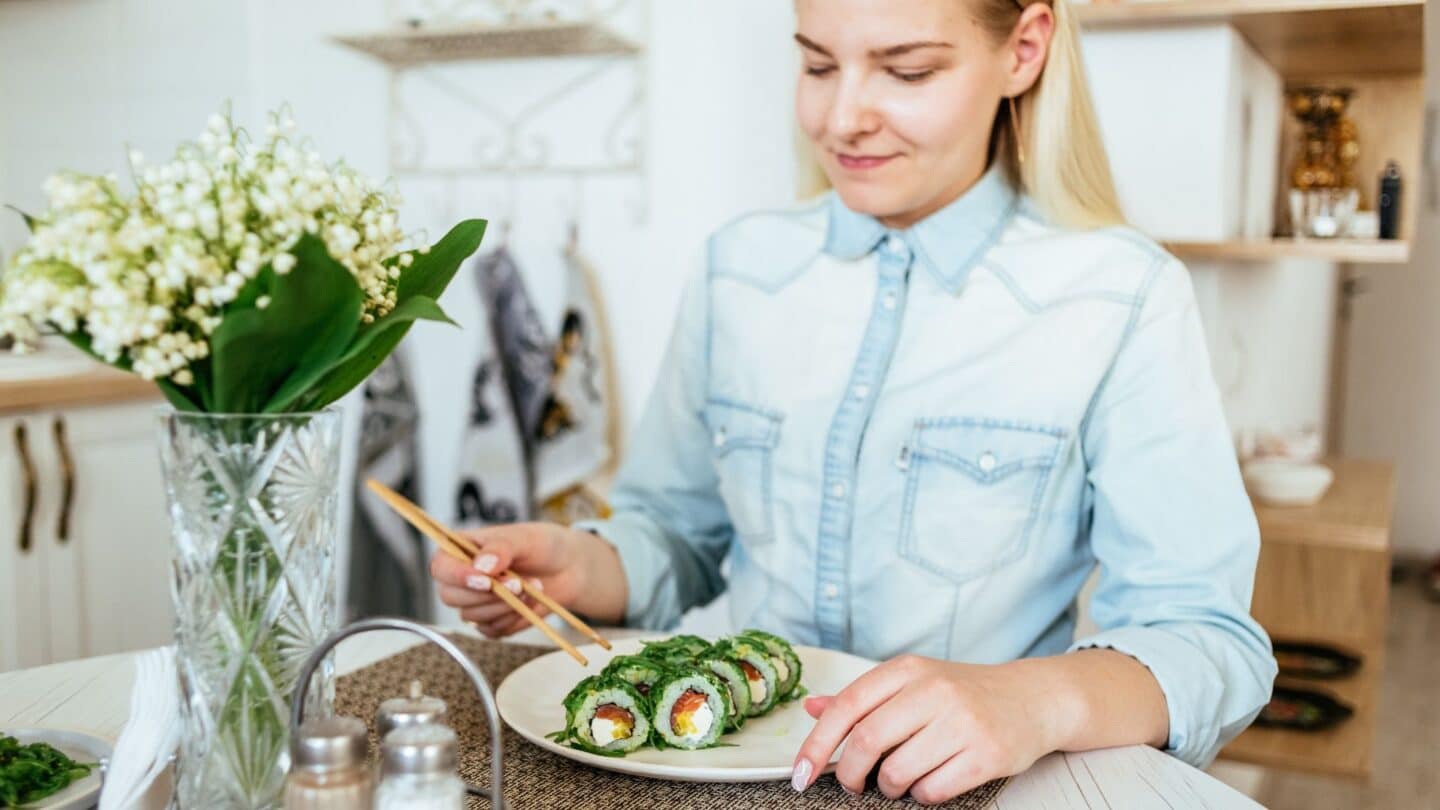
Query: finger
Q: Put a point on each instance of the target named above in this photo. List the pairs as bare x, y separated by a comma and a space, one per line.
961, 773
447, 570
926, 750
493, 607
883, 730
845, 710
815, 705
465, 598
523, 547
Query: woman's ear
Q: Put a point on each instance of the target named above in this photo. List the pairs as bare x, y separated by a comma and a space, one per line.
1028, 47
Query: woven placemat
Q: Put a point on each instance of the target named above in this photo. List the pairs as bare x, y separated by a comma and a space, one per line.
535, 778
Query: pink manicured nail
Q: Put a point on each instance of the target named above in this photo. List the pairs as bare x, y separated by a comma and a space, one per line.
537, 584
514, 585
478, 583
800, 777
486, 563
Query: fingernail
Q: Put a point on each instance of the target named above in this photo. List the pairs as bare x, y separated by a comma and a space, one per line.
514, 585
848, 790
486, 563
477, 583
800, 777
537, 584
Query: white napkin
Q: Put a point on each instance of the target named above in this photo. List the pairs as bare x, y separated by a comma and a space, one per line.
150, 735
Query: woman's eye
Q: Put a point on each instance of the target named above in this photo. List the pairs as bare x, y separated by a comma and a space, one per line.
912, 75
819, 70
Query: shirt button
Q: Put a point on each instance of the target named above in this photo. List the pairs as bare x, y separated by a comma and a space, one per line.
889, 301
861, 391
987, 462
837, 490
719, 438
832, 590
895, 244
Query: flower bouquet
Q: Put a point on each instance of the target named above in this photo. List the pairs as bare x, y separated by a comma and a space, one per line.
255, 284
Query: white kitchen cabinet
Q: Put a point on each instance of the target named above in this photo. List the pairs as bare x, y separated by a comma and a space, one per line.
95, 579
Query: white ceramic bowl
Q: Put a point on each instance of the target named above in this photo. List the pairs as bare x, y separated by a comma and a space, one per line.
1280, 482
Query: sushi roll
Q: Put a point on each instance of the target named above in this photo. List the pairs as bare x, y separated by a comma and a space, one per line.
690, 710
759, 668
728, 670
607, 716
638, 671
787, 663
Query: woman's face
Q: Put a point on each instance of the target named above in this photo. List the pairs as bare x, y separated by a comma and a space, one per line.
898, 98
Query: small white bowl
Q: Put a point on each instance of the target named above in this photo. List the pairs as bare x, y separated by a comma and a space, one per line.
1280, 482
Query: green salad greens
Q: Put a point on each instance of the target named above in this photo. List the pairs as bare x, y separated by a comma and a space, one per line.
31, 772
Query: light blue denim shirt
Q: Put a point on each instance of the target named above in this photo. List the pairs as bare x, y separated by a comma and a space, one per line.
923, 441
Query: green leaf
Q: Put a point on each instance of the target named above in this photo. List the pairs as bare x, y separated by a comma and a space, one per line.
175, 394
425, 279
30, 222
262, 356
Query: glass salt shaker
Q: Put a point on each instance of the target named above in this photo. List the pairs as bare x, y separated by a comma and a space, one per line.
328, 766
415, 708
418, 765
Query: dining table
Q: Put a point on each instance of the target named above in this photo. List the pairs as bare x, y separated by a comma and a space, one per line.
92, 695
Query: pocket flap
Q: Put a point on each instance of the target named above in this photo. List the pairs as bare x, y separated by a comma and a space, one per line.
733, 426
987, 449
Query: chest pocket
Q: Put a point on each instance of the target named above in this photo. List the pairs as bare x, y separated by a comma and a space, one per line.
743, 438
973, 493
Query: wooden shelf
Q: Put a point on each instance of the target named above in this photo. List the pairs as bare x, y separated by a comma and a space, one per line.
100, 386
1344, 750
1300, 38
1354, 251
405, 47
1354, 514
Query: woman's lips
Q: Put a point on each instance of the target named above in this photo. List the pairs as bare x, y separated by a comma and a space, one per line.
862, 162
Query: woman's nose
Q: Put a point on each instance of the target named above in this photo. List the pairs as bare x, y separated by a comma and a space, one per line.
851, 112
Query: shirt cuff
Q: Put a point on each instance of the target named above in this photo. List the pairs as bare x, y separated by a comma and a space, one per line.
1192, 686
649, 575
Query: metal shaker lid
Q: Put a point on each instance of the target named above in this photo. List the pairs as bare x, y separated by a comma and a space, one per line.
330, 744
411, 710
425, 748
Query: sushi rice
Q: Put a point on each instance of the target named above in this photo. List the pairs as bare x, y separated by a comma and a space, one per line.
691, 709
787, 663
606, 715
759, 669
639, 671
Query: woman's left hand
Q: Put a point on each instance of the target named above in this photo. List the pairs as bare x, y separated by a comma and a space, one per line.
936, 728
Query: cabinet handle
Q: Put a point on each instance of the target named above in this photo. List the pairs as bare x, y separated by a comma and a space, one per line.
67, 470
22, 446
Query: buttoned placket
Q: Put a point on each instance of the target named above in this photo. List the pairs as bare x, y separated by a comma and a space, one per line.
847, 431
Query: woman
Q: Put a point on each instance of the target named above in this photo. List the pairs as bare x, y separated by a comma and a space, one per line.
916, 414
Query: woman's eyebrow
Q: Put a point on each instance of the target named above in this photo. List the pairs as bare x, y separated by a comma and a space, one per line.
875, 53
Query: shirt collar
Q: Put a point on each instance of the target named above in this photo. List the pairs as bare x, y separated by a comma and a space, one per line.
947, 243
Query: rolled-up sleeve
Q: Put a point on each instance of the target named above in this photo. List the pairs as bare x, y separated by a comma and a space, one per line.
669, 524
1172, 529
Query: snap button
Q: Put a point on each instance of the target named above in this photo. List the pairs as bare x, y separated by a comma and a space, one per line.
987, 461
832, 590
838, 490
895, 244
862, 391
889, 301
720, 437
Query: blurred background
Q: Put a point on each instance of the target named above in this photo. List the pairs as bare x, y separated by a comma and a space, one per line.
604, 140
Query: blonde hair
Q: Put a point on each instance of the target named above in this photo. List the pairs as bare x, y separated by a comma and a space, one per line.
1065, 171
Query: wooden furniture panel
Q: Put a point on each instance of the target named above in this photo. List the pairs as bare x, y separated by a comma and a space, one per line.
1324, 575
99, 386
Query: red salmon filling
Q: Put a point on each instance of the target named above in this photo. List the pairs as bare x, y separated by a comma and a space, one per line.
682, 713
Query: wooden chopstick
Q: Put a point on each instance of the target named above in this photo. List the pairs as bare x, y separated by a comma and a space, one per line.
459, 548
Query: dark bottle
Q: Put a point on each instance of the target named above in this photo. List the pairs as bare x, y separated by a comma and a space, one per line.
1389, 201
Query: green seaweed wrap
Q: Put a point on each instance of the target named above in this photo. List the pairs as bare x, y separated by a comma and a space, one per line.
677, 649
759, 668
787, 663
606, 715
691, 709
728, 670
637, 670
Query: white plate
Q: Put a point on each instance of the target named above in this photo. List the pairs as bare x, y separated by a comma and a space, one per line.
763, 751
80, 747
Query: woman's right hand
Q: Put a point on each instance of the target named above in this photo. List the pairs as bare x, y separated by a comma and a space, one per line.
560, 561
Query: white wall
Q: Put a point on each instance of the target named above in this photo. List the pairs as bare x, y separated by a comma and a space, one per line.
1392, 403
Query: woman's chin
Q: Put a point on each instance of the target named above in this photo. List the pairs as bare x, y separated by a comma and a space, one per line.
871, 198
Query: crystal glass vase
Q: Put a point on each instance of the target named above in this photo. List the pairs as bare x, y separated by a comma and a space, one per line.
253, 502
